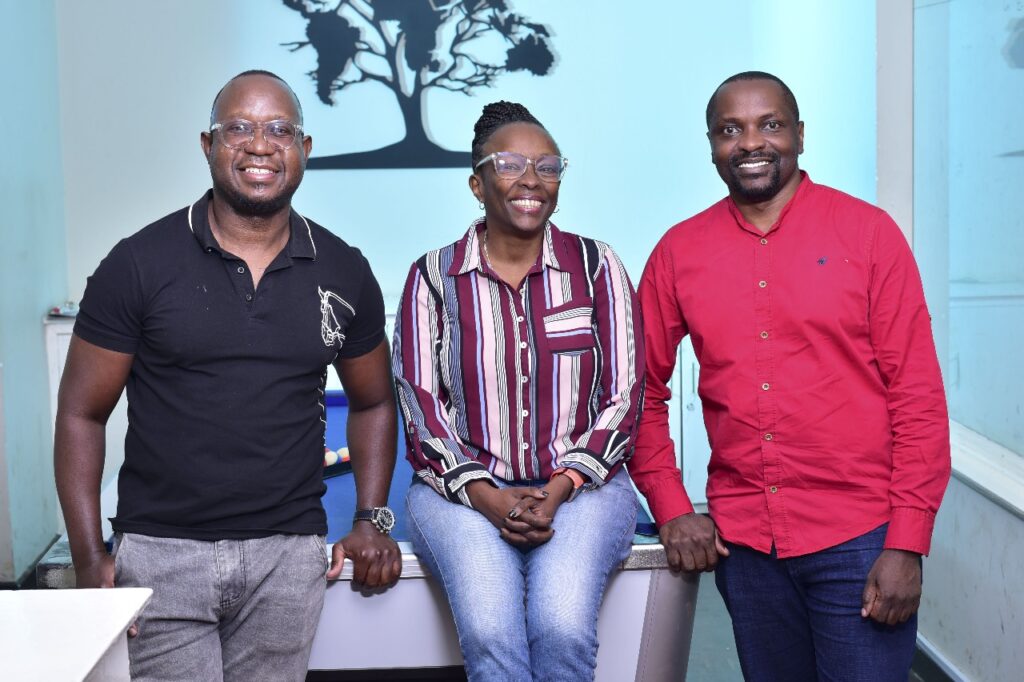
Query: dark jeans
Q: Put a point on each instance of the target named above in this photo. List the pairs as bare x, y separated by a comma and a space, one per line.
799, 619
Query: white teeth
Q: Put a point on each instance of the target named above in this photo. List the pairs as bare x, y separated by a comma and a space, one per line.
526, 203
753, 164
259, 171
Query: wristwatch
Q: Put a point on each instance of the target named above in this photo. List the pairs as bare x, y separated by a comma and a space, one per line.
382, 518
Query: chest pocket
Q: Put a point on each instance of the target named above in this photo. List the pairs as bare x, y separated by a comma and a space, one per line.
569, 328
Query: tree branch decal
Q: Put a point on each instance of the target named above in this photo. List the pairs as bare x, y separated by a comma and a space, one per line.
411, 46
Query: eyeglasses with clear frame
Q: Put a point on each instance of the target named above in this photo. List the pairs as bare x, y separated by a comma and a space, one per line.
239, 133
512, 166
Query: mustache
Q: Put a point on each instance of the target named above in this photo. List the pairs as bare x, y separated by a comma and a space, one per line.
738, 158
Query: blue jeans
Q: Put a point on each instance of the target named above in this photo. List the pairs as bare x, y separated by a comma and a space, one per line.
228, 610
525, 615
799, 619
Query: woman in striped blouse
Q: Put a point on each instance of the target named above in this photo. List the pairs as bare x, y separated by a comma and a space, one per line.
518, 357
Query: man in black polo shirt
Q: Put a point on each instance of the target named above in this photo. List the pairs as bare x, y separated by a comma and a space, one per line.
221, 320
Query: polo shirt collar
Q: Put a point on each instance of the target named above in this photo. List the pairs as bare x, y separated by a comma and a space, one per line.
300, 242
469, 251
802, 190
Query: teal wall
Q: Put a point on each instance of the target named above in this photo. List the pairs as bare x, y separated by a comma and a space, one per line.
625, 102
135, 80
33, 273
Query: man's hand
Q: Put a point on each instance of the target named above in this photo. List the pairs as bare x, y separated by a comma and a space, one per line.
691, 543
98, 572
376, 559
893, 590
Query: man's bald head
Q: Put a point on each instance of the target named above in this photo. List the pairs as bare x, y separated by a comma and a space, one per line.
251, 73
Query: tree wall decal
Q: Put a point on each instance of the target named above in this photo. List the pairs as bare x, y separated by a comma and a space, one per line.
410, 47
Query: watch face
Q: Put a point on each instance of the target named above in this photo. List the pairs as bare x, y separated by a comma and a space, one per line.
384, 519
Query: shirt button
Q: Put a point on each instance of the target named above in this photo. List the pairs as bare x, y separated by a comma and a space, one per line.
762, 284
525, 379
765, 386
519, 318
764, 335
209, 249
526, 446
767, 436
773, 489
522, 344
241, 270
763, 240
526, 413
248, 297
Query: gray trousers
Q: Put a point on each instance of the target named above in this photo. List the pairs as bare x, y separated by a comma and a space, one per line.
223, 610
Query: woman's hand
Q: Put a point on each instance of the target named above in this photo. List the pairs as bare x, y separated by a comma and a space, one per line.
504, 507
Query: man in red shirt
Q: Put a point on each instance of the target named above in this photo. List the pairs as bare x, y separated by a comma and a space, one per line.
822, 398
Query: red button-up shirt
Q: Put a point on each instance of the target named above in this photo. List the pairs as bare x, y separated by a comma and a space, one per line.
821, 389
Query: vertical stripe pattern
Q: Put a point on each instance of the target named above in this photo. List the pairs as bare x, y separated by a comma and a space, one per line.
512, 384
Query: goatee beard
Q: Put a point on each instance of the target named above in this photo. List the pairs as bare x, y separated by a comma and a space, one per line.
256, 208
757, 193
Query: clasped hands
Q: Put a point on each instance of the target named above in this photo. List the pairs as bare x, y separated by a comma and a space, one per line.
522, 515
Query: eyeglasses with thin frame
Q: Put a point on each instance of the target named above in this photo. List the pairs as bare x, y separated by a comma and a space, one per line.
239, 133
512, 166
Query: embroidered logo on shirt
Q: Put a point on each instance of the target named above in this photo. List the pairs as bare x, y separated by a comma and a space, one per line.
330, 328
821, 261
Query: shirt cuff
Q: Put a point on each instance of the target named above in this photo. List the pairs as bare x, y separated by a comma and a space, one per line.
910, 529
588, 465
456, 479
668, 500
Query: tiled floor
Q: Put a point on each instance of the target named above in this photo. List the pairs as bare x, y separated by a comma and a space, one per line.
712, 649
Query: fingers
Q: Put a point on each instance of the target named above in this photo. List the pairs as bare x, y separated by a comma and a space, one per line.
133, 631
529, 498
674, 558
883, 608
535, 517
337, 561
515, 539
374, 565
720, 545
528, 539
691, 543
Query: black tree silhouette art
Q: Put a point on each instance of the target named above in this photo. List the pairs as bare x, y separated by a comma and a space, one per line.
411, 46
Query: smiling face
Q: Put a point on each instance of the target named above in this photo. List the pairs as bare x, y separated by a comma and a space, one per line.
522, 206
258, 179
755, 141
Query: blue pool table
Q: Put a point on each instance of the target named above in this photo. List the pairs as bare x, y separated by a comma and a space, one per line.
647, 611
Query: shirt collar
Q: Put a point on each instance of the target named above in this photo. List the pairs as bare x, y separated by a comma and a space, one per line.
802, 190
469, 249
300, 242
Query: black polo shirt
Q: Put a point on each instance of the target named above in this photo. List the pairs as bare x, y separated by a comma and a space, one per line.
225, 396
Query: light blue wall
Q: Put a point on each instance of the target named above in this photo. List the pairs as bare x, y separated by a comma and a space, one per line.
969, 227
33, 273
625, 103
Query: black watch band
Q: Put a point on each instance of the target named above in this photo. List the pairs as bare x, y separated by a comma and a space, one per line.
382, 518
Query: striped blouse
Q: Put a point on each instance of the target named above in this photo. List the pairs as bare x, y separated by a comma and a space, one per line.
495, 382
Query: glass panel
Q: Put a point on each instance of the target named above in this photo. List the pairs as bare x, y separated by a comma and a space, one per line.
968, 191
